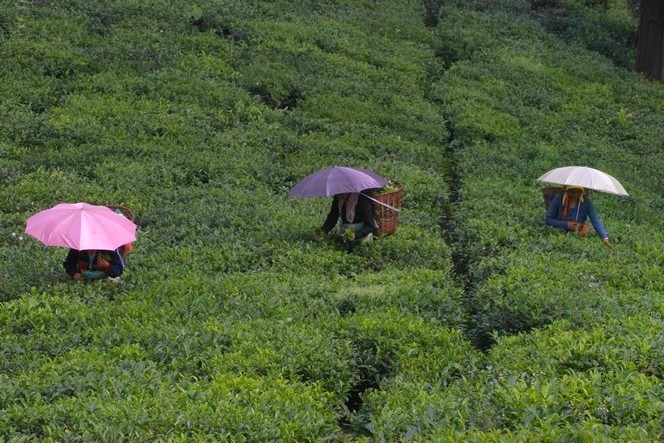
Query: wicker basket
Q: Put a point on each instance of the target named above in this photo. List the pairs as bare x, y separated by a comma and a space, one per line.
128, 213
386, 218
549, 192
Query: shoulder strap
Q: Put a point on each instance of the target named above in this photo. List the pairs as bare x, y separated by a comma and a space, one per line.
381, 203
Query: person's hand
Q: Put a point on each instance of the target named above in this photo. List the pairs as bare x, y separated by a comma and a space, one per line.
606, 241
319, 235
572, 226
348, 235
76, 276
102, 265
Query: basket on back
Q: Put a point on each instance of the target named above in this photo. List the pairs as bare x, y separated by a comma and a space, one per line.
549, 192
387, 218
129, 214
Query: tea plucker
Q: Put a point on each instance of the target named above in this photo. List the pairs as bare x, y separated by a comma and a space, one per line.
569, 211
356, 212
94, 264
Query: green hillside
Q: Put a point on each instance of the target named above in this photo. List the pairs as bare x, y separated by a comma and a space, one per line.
473, 322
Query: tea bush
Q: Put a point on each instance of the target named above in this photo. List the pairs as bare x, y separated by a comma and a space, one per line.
231, 322
547, 385
490, 245
516, 112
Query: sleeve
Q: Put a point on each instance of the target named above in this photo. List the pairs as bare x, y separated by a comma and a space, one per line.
594, 219
552, 213
332, 216
117, 264
367, 213
71, 262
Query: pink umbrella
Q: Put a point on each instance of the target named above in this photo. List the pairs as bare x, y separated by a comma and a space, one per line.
337, 180
81, 226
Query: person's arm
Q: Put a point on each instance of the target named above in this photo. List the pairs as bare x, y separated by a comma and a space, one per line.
116, 265
71, 263
365, 209
332, 216
552, 214
594, 219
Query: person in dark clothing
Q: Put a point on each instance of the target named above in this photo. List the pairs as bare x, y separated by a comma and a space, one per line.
358, 223
94, 264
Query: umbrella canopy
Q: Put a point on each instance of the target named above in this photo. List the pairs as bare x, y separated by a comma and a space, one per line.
337, 180
81, 226
583, 176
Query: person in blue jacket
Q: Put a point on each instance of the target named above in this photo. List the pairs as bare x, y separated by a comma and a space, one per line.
569, 210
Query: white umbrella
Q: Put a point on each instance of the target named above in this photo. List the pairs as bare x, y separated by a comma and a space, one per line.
583, 176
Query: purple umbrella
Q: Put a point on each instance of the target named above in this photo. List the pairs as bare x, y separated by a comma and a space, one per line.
337, 180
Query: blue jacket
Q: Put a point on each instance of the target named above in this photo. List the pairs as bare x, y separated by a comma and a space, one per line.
554, 215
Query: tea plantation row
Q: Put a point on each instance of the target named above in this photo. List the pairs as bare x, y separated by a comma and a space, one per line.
230, 322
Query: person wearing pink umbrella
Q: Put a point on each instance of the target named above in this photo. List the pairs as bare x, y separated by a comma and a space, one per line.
96, 237
94, 264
